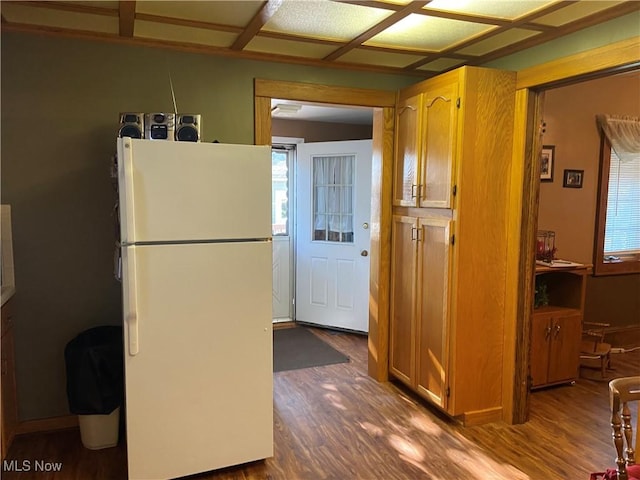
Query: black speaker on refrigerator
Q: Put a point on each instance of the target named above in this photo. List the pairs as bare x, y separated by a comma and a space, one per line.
159, 126
131, 125
188, 127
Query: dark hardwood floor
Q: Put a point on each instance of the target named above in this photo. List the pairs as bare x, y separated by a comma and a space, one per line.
335, 422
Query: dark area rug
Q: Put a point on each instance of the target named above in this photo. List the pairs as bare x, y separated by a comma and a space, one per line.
298, 347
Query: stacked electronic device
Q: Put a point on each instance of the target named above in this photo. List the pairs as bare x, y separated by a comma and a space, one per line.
181, 127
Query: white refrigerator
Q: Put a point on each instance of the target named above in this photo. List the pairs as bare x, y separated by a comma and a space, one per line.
195, 221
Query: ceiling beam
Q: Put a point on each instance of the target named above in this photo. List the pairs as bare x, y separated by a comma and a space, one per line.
268, 10
127, 17
376, 29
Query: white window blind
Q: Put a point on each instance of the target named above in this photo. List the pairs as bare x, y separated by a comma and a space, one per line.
622, 229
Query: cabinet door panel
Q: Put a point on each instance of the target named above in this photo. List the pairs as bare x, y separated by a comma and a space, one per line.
540, 338
433, 288
405, 175
402, 330
564, 354
440, 114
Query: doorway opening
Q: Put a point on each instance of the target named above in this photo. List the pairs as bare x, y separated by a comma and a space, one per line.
321, 215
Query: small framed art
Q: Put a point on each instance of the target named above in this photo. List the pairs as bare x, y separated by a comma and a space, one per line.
547, 158
573, 178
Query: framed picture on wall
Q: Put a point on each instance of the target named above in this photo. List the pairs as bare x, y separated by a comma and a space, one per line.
547, 158
573, 178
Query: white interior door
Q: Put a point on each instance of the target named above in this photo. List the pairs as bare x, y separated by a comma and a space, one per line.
333, 193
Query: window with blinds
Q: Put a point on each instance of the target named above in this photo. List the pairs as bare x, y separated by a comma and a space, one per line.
622, 227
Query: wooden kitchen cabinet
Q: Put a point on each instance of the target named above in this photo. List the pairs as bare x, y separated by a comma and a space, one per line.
449, 248
407, 154
556, 329
9, 410
426, 139
419, 301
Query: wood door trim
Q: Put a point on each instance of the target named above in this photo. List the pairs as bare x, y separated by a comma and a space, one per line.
530, 85
615, 57
311, 92
383, 103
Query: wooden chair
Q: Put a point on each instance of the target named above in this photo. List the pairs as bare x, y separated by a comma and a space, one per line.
593, 345
622, 391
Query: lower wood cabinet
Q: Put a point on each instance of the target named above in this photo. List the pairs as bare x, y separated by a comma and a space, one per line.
555, 346
9, 411
556, 328
419, 305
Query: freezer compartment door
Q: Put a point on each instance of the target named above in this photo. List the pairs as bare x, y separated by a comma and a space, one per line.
199, 381
184, 191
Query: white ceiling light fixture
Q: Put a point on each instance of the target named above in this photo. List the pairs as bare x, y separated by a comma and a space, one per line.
285, 110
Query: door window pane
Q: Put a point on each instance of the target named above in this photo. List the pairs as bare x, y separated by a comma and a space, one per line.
280, 192
333, 198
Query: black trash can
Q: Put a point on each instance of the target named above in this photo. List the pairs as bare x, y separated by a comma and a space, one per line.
95, 384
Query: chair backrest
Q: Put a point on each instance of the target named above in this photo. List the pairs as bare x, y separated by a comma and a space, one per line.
622, 391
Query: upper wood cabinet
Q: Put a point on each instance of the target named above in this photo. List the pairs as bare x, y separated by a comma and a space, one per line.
454, 140
405, 178
426, 133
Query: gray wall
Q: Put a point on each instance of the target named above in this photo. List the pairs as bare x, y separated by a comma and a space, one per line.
60, 105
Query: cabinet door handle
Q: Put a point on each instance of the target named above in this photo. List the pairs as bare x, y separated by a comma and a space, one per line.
414, 233
547, 332
413, 190
555, 335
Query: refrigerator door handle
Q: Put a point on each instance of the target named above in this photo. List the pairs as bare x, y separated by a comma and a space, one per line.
132, 314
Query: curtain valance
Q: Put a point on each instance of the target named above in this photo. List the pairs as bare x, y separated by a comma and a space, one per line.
623, 133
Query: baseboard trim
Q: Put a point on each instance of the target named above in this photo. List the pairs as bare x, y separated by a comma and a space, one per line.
480, 417
47, 424
624, 337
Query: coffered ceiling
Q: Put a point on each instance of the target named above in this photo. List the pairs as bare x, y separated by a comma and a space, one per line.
421, 38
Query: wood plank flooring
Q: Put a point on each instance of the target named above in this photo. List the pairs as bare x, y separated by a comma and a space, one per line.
335, 422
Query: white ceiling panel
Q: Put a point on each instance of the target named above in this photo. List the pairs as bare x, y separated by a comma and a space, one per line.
235, 13
508, 10
324, 19
279, 46
498, 41
427, 33
361, 55
20, 13
179, 33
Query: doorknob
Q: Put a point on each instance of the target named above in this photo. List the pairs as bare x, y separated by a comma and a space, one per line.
364, 253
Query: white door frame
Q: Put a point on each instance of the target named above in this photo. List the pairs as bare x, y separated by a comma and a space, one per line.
292, 219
